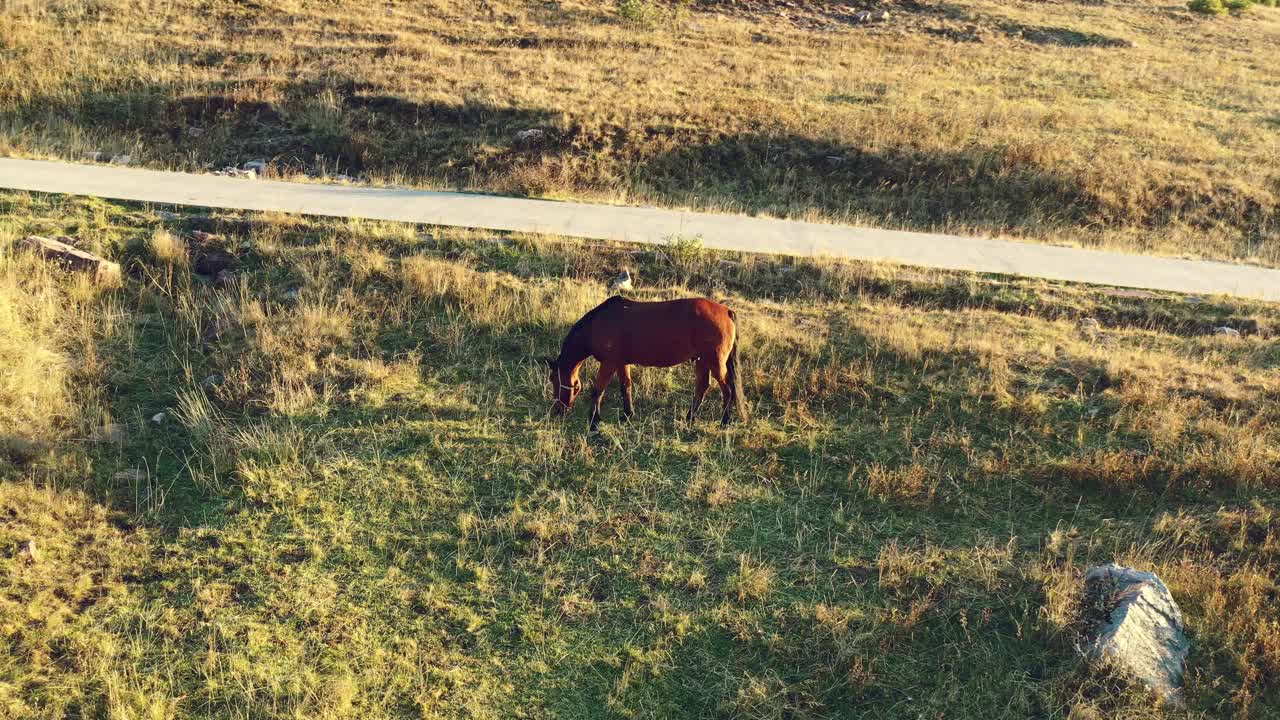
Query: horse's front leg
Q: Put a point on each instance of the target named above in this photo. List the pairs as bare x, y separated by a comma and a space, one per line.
603, 377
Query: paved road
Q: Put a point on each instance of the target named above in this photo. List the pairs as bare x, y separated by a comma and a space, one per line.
646, 225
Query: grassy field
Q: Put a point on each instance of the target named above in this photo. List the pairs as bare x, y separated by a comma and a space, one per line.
1138, 125
356, 504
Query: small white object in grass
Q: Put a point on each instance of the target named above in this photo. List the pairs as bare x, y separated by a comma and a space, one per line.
93, 156
532, 135
129, 476
195, 132
27, 550
258, 166
121, 160
212, 381
158, 418
621, 282
1228, 331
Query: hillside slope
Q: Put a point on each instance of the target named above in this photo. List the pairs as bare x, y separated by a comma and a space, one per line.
1136, 125
356, 505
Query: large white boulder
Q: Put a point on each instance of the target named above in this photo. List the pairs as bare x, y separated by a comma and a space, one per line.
1141, 633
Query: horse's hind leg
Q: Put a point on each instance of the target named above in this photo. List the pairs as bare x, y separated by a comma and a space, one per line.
720, 372
603, 376
702, 380
624, 384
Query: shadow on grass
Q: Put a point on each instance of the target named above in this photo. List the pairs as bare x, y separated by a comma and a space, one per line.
349, 124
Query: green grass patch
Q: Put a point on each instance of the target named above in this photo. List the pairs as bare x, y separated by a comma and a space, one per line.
357, 504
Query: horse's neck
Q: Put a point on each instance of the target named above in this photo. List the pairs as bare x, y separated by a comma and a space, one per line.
575, 350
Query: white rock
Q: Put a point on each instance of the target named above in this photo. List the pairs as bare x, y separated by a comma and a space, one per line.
1228, 331
532, 135
622, 282
880, 15
237, 172
258, 166
28, 552
862, 16
1142, 634
129, 476
121, 160
195, 132
158, 418
212, 381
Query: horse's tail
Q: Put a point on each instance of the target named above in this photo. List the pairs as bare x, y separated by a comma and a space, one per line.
734, 376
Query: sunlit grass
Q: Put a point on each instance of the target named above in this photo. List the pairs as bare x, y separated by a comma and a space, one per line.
357, 505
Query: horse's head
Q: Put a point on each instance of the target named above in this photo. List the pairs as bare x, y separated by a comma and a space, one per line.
565, 386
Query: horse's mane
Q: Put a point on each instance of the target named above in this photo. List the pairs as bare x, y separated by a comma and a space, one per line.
586, 319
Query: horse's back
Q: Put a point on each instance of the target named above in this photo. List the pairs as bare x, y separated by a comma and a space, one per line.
663, 333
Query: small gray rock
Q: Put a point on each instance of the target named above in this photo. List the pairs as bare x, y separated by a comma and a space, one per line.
212, 381
258, 166
158, 418
531, 136
1227, 331
121, 160
1142, 633
28, 552
195, 132
292, 295
129, 476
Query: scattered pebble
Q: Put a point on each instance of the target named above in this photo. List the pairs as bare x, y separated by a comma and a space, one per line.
213, 262
237, 173
1090, 327
532, 135
28, 552
130, 475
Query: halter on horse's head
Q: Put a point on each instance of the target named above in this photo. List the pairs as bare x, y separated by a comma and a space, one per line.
567, 385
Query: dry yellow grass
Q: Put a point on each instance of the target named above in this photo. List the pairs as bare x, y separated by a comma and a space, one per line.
370, 514
1136, 125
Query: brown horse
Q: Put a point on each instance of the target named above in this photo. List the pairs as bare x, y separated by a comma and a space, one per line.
620, 333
